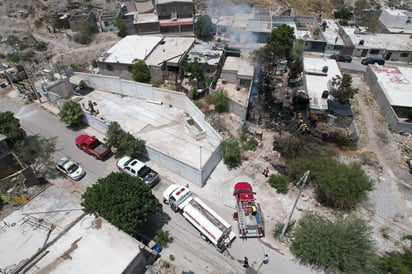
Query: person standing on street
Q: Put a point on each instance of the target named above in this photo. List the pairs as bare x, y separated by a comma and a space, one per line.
246, 262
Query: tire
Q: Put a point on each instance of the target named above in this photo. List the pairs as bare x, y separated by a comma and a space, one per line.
78, 146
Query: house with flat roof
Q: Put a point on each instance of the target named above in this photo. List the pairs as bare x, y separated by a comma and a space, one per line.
209, 56
393, 91
51, 234
163, 55
317, 75
236, 80
362, 42
118, 60
396, 20
398, 46
176, 16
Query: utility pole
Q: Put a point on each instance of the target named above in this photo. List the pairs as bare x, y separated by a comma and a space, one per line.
301, 182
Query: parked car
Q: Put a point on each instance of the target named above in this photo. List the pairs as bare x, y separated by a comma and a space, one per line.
373, 60
70, 168
409, 162
341, 58
91, 145
136, 168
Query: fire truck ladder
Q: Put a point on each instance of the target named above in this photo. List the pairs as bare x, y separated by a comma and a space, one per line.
241, 219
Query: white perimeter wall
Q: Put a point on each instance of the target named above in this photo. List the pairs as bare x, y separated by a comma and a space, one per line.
143, 91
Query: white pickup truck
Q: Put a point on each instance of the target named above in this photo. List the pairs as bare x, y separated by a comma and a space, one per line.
212, 227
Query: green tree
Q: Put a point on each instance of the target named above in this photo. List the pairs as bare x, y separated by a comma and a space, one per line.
71, 113
124, 142
362, 5
344, 12
140, 72
125, 201
342, 88
231, 153
132, 146
339, 246
336, 185
282, 39
204, 26
84, 35
37, 151
11, 128
114, 135
195, 71
219, 100
121, 26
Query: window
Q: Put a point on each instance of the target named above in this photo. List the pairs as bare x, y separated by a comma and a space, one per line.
129, 69
404, 54
374, 52
109, 67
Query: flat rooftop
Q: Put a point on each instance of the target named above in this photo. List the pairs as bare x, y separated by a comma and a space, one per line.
316, 81
141, 18
131, 47
395, 84
163, 127
244, 67
396, 41
86, 246
371, 40
331, 32
171, 49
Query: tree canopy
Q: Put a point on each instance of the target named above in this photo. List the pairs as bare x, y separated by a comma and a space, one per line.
337, 185
204, 26
71, 113
140, 72
342, 88
125, 201
121, 26
10, 127
281, 39
124, 142
36, 151
336, 246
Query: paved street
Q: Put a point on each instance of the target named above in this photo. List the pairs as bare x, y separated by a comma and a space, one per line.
190, 251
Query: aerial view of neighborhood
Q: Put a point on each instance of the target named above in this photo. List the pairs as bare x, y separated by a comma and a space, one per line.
205, 136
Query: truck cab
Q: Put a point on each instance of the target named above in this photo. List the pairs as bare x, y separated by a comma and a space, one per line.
177, 196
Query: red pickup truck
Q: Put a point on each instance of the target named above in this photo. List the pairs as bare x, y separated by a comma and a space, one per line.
92, 146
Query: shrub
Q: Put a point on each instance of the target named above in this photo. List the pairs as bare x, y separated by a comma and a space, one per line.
94, 63
279, 182
336, 246
250, 144
41, 46
336, 185
277, 231
162, 237
290, 147
220, 100
231, 153
71, 113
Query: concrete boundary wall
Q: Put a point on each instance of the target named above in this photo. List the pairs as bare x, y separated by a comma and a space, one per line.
385, 106
179, 100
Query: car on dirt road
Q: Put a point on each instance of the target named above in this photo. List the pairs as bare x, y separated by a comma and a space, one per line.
70, 168
136, 168
341, 58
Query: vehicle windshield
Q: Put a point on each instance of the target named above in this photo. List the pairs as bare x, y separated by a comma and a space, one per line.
72, 168
128, 162
95, 144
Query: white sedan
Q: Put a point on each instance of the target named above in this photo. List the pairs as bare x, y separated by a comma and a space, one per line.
70, 168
